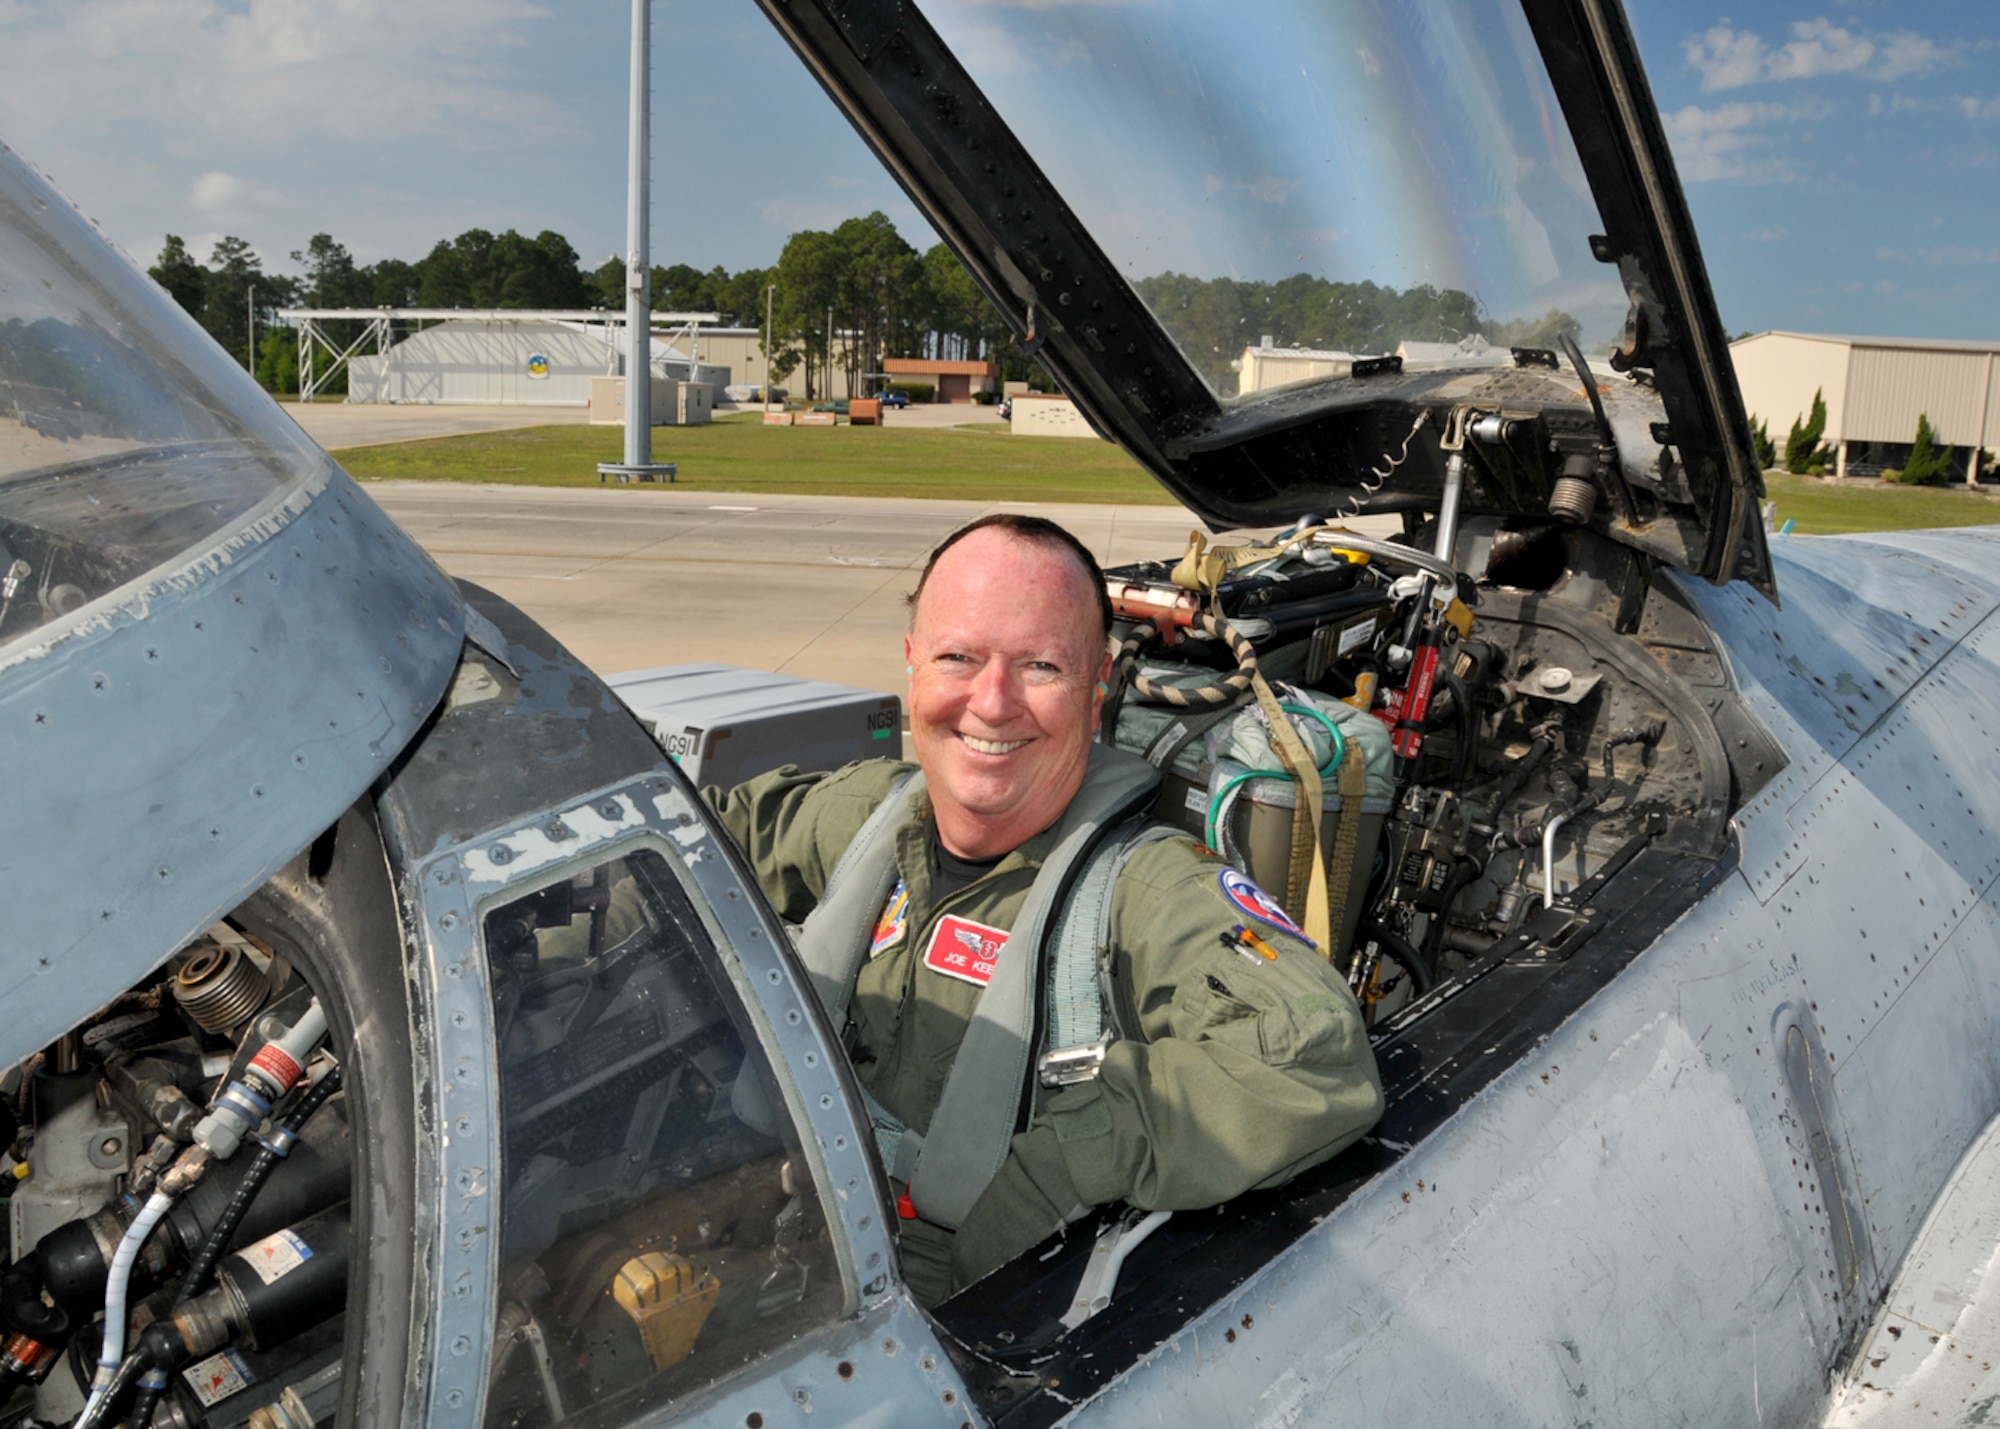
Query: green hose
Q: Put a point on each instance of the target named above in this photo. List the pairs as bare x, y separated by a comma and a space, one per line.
1327, 770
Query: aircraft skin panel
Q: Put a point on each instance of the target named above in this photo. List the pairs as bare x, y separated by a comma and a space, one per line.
1699, 1183
272, 686
1911, 986
1591, 1239
1863, 623
1933, 1354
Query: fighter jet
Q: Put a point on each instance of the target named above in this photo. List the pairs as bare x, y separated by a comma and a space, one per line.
393, 1037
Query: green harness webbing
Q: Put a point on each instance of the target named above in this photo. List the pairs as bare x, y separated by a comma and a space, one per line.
1079, 971
974, 1123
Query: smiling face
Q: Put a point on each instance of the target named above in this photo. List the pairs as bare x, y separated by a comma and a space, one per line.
1006, 653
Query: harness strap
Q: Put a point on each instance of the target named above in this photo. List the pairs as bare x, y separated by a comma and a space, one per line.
900, 1146
1346, 852
834, 943
988, 1086
1185, 729
1079, 973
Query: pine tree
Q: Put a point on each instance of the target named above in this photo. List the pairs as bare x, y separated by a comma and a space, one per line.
1803, 454
1760, 437
1929, 463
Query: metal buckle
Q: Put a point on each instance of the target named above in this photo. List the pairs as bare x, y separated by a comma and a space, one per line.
1067, 1066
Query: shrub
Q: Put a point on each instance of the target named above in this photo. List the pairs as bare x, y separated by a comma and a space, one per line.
1760, 437
915, 391
1929, 463
986, 398
1803, 454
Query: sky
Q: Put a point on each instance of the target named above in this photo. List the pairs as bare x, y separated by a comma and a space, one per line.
1842, 157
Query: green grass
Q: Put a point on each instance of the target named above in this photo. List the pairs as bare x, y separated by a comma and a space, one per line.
740, 454
1825, 509
985, 463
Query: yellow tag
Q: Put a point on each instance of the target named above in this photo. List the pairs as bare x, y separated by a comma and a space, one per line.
1459, 617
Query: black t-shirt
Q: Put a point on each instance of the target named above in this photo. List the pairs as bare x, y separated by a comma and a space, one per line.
950, 873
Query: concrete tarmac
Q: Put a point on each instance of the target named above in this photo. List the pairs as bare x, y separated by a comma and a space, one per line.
806, 585
339, 424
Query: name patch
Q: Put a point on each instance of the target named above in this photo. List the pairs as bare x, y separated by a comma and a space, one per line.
965, 950
895, 917
1247, 897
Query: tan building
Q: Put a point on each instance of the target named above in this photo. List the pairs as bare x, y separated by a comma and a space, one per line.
1875, 388
741, 350
1265, 366
1046, 414
955, 381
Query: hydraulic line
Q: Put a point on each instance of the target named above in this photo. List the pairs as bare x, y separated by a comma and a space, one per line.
1464, 871
237, 1108
1467, 715
1517, 774
266, 1160
1555, 821
122, 1379
110, 1357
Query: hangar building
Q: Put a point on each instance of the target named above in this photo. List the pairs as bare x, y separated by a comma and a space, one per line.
1875, 388
540, 359
533, 362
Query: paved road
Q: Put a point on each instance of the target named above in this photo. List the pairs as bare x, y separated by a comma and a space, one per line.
808, 585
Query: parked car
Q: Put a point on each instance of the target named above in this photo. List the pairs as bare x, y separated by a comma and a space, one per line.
893, 398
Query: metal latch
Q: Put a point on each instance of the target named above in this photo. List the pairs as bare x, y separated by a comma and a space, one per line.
1067, 1066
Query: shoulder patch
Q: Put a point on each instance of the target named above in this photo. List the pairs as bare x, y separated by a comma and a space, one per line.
1247, 897
895, 919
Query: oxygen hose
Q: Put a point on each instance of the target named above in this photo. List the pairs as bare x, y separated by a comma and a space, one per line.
239, 1107
110, 1358
203, 1265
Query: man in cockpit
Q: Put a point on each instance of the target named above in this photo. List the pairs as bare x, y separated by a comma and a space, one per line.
1232, 1056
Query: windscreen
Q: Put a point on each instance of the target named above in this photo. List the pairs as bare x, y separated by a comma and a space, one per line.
129, 441
1311, 180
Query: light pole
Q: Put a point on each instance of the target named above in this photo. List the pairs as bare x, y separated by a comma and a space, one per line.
773, 288
638, 272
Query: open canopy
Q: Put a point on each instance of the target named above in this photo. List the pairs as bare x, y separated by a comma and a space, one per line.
1147, 191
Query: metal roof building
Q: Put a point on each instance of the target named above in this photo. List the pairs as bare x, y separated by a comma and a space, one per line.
507, 356
1875, 388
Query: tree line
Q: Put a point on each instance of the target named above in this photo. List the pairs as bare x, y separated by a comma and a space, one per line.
841, 301
1214, 319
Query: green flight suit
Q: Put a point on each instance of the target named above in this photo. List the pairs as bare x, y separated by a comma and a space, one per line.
1238, 1072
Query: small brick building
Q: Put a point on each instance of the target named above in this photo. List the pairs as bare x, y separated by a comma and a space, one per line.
955, 381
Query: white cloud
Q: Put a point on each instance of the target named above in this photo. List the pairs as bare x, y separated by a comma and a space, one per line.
225, 199
1977, 107
1732, 141
1822, 47
1265, 188
1772, 233
1729, 58
1949, 255
273, 70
